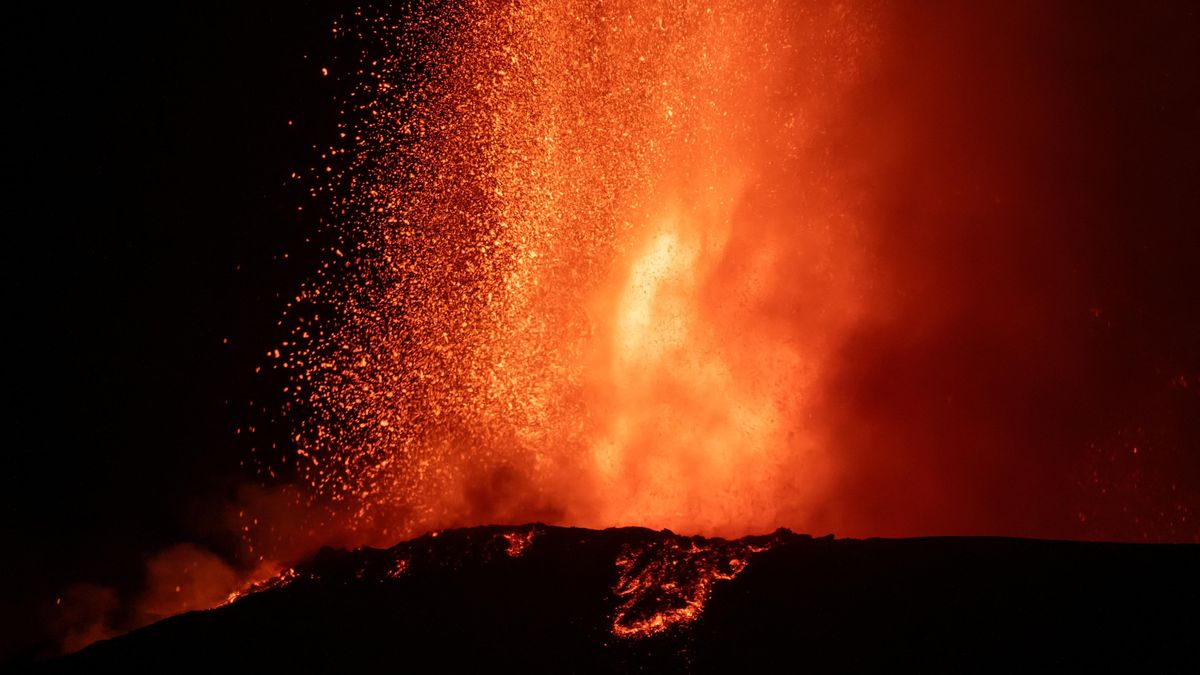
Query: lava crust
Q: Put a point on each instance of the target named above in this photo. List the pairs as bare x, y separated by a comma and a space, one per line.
542, 598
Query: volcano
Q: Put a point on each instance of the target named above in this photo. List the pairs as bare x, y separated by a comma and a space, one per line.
312, 279
554, 599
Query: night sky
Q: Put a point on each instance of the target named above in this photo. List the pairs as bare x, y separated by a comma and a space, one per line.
148, 157
154, 237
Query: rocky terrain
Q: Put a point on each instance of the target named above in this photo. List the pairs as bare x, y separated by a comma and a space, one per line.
553, 599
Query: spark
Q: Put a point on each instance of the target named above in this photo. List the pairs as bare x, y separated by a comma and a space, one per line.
557, 246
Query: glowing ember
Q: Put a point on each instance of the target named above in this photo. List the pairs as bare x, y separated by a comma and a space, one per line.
399, 569
281, 579
519, 541
557, 291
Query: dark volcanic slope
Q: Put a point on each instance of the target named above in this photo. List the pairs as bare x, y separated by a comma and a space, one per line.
563, 599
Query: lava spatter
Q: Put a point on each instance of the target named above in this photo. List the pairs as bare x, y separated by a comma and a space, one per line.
562, 228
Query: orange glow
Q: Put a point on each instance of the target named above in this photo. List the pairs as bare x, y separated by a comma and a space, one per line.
666, 584
719, 267
519, 541
600, 257
253, 586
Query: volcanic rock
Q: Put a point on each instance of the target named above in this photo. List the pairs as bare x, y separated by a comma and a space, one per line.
552, 599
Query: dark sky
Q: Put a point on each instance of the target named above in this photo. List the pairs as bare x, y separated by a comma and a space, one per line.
147, 163
146, 157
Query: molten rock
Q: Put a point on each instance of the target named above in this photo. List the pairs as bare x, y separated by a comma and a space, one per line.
558, 599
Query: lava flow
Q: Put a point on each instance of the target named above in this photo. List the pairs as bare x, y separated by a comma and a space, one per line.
461, 599
665, 583
662, 580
